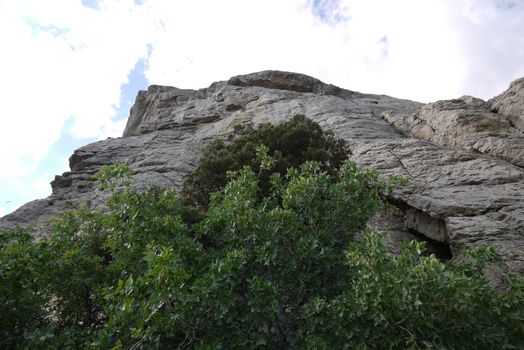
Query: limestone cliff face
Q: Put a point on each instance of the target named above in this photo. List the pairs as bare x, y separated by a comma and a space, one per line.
464, 158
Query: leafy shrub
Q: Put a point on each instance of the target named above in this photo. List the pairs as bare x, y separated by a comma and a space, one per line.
411, 301
268, 260
259, 270
289, 144
21, 300
285, 273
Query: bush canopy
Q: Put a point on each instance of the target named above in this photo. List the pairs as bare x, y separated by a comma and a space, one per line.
289, 144
275, 270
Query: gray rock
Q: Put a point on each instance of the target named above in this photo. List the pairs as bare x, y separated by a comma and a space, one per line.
511, 104
464, 162
468, 124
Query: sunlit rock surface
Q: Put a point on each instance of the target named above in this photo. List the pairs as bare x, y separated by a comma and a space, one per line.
463, 158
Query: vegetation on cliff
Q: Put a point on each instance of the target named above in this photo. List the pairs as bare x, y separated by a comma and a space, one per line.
270, 262
289, 145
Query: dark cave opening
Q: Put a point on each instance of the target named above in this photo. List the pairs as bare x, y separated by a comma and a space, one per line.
441, 250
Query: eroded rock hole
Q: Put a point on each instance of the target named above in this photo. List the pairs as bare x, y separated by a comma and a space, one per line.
441, 250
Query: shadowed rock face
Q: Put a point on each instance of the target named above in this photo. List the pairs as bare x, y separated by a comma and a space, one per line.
464, 158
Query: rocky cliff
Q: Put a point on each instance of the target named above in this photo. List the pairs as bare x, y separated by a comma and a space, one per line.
464, 158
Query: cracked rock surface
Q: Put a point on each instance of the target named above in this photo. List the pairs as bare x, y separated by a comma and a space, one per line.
510, 103
464, 158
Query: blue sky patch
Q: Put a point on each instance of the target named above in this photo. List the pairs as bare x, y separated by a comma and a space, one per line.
384, 46
505, 4
92, 4
38, 28
52, 163
137, 81
62, 148
329, 11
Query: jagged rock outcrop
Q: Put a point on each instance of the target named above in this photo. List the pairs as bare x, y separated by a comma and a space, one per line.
464, 158
467, 124
511, 104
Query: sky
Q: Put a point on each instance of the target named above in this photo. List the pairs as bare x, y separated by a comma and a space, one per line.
70, 70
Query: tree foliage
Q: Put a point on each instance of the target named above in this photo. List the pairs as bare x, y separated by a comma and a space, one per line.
259, 270
289, 144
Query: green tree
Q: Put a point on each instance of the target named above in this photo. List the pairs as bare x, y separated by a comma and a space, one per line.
272, 263
290, 144
21, 299
410, 301
268, 259
285, 272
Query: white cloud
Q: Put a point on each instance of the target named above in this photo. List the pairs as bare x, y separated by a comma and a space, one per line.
422, 50
50, 78
491, 43
203, 43
61, 59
